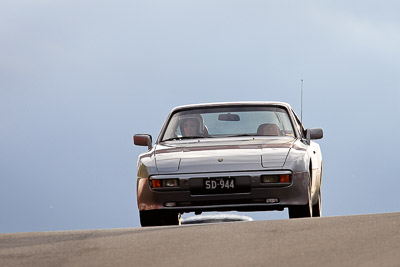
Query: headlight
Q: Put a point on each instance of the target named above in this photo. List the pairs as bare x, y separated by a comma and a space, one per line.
270, 178
159, 183
171, 182
283, 178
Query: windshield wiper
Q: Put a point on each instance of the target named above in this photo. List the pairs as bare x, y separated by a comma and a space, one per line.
239, 135
182, 138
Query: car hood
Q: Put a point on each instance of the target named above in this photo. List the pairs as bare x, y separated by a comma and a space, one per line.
215, 155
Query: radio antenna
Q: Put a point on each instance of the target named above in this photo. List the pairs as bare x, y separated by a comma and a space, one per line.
301, 119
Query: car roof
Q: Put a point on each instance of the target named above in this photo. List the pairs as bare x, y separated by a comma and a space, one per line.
238, 103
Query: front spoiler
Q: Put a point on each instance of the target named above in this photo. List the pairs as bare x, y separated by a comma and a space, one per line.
296, 193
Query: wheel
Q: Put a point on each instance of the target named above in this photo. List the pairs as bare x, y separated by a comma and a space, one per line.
316, 208
158, 218
302, 211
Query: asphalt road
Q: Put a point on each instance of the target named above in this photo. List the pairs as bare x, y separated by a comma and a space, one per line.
364, 240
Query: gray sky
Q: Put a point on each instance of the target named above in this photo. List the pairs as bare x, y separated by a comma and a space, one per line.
79, 78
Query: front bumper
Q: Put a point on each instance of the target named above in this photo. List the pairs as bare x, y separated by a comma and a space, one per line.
260, 196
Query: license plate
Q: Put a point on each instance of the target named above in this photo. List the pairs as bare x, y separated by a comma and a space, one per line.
219, 184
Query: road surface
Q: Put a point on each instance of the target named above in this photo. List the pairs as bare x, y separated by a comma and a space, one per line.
363, 240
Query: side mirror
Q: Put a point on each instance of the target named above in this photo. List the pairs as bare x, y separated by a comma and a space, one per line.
314, 134
143, 140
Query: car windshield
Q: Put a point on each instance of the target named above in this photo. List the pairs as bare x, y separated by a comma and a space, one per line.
228, 122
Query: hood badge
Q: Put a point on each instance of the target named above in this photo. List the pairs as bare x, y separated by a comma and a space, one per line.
220, 160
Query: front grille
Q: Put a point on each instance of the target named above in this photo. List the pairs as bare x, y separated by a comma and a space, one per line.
216, 202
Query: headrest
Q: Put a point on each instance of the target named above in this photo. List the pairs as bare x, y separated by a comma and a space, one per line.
268, 129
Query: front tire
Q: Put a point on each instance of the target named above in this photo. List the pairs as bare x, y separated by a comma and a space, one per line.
158, 218
316, 208
303, 211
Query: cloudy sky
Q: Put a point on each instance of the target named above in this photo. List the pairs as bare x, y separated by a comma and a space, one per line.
78, 78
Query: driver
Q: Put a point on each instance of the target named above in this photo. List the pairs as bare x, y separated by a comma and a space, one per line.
190, 127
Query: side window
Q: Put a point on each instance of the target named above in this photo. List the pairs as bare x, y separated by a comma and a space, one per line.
298, 125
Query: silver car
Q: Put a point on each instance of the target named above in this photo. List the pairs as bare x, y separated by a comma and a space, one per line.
243, 156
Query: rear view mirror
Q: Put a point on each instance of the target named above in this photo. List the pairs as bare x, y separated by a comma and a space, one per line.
228, 117
143, 140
